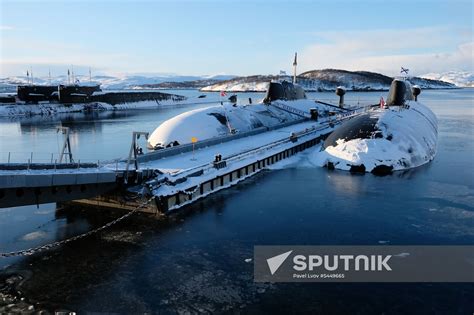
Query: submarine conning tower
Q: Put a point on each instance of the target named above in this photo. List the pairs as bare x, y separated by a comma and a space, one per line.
340, 91
284, 91
400, 91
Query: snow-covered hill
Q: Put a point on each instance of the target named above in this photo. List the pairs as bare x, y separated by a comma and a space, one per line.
255, 83
117, 82
325, 80
316, 80
459, 78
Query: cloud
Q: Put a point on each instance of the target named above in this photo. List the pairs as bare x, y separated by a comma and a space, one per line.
54, 56
423, 50
6, 28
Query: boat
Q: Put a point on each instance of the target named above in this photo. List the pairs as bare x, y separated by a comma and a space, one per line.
73, 93
397, 135
285, 103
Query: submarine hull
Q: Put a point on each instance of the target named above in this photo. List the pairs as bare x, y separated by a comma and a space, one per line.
399, 135
284, 103
383, 140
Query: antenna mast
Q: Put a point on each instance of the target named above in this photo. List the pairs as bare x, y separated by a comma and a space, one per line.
295, 63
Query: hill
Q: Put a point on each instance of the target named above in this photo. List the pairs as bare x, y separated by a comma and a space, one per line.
459, 78
325, 80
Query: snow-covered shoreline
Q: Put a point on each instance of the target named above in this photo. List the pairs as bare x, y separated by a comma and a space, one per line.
9, 110
326, 80
254, 86
365, 89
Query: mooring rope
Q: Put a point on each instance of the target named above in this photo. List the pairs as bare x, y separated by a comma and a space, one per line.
34, 250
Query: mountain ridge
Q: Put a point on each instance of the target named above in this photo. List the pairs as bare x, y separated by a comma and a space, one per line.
325, 80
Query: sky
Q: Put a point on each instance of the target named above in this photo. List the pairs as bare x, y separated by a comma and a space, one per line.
234, 37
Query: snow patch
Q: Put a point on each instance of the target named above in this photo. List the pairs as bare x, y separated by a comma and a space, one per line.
459, 78
34, 236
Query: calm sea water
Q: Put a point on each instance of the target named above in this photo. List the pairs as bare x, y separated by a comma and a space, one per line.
194, 261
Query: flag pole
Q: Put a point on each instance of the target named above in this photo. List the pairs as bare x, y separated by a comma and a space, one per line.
295, 63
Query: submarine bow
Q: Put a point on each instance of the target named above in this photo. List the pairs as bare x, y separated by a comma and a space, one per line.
399, 135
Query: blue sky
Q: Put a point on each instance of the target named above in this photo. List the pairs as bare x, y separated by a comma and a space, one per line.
234, 37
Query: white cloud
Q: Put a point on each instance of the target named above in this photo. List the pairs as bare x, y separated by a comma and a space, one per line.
6, 28
423, 50
54, 56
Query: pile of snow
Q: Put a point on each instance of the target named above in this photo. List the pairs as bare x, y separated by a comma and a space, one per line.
409, 140
459, 78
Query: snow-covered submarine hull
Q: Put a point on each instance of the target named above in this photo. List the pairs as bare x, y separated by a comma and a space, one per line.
398, 135
284, 103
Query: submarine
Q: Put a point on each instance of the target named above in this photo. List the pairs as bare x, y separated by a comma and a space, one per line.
284, 103
397, 135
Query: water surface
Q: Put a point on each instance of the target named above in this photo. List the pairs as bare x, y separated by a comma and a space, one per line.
195, 261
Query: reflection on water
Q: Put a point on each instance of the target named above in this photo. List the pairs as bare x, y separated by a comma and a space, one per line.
94, 136
77, 122
197, 260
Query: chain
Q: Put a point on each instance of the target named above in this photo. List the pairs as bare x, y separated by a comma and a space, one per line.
34, 250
